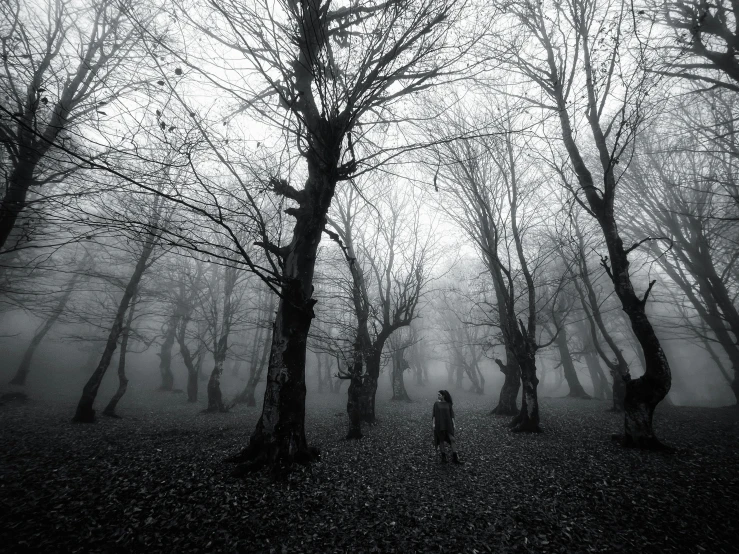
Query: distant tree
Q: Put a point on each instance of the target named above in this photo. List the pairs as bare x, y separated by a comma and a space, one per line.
703, 46
150, 239
53, 315
489, 188
389, 255
123, 350
682, 186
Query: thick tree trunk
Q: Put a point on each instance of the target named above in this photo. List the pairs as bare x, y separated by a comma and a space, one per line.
570, 373
85, 413
25, 365
165, 355
507, 404
279, 437
527, 419
192, 369
400, 365
122, 379
354, 394
367, 398
215, 397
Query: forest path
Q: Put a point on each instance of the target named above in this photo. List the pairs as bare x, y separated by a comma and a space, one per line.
156, 481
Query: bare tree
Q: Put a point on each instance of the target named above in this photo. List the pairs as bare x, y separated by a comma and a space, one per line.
61, 65
560, 51
329, 77
389, 264
151, 238
122, 379
491, 184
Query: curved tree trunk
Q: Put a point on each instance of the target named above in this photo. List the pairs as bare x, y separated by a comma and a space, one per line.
122, 379
399, 367
507, 404
568, 367
527, 419
85, 413
25, 365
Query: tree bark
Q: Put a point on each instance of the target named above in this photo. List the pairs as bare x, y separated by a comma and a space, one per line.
354, 394
220, 348
38, 337
400, 365
122, 379
507, 401
527, 419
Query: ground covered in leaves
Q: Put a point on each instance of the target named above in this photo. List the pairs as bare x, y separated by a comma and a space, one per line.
155, 481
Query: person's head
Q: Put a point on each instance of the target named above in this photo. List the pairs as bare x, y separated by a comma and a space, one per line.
444, 396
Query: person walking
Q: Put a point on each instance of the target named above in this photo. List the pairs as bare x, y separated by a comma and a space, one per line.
442, 420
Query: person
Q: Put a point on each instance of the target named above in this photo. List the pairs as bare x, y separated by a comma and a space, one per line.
442, 420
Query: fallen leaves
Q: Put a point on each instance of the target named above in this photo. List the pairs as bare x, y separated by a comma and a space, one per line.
159, 483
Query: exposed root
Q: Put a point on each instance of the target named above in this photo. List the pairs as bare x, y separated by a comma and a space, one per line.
257, 457
526, 427
354, 434
84, 415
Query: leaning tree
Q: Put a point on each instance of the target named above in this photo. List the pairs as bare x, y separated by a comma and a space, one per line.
586, 61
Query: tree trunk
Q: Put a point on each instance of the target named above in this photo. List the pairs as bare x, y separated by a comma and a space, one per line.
215, 397
354, 394
527, 419
597, 376
399, 367
122, 380
570, 373
367, 396
165, 355
507, 404
85, 413
25, 365
192, 369
14, 200
642, 394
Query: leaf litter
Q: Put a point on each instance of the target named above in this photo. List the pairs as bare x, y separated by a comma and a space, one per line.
156, 481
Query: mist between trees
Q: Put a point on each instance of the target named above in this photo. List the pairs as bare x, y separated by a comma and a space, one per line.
523, 198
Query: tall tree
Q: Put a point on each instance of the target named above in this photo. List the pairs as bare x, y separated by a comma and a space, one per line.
564, 58
330, 75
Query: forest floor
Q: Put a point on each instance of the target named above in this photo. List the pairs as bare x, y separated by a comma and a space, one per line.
155, 481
